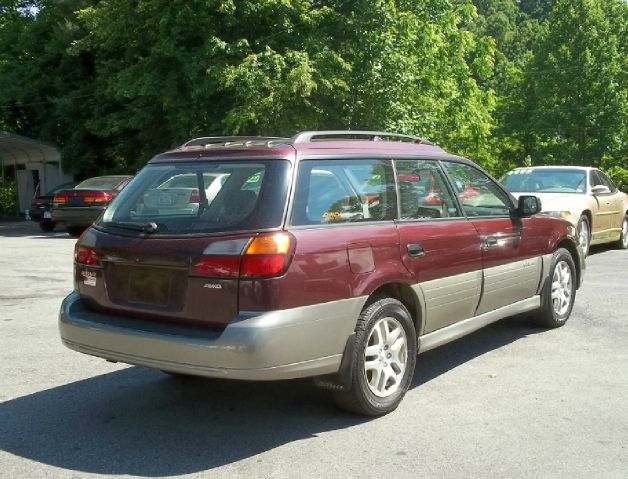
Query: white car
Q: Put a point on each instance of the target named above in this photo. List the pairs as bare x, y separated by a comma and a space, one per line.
584, 196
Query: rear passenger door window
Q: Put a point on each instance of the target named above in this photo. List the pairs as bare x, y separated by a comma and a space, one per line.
480, 196
344, 191
423, 191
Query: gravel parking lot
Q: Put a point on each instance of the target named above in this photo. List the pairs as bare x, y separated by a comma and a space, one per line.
509, 401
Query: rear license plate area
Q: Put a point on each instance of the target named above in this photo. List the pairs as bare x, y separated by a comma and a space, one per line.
147, 287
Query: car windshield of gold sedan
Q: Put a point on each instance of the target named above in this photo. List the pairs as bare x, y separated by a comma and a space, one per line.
546, 180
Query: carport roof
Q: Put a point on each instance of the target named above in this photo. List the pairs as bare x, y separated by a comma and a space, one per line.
21, 150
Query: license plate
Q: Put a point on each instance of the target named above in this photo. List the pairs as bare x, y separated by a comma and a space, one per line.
165, 200
47, 215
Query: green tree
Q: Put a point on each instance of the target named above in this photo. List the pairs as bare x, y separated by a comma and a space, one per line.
578, 83
114, 81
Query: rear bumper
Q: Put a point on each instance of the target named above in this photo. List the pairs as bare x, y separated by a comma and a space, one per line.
292, 343
77, 215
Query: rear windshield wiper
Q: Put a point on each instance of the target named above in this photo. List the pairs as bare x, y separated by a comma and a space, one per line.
150, 227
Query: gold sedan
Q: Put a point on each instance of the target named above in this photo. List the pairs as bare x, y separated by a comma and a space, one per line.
584, 196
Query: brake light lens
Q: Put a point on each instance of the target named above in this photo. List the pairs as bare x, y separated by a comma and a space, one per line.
36, 202
89, 197
86, 256
222, 266
60, 199
266, 256
97, 197
194, 196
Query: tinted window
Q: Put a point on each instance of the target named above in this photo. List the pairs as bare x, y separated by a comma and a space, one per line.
479, 195
423, 191
101, 183
545, 180
204, 197
604, 180
342, 191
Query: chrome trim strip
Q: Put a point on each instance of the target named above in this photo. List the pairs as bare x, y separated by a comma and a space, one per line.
457, 330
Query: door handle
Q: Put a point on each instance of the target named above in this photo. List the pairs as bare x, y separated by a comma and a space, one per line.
490, 241
415, 249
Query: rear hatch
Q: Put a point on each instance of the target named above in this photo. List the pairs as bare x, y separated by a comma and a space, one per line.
172, 246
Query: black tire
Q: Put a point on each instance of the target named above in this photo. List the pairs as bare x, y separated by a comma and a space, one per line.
585, 243
553, 312
359, 397
74, 231
622, 242
47, 225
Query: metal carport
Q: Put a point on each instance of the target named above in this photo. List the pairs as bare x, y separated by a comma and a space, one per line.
36, 166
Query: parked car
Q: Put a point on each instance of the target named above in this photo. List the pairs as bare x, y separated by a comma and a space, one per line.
584, 196
315, 258
80, 206
41, 206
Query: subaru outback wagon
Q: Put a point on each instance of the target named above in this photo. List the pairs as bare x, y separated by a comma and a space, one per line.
323, 256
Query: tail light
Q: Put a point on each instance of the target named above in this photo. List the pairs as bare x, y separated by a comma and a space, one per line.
194, 196
93, 197
97, 197
60, 199
266, 256
86, 256
36, 202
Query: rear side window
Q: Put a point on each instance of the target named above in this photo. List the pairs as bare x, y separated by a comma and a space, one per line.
423, 191
203, 197
343, 191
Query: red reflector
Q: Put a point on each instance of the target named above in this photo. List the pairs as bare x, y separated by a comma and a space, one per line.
86, 256
263, 264
218, 266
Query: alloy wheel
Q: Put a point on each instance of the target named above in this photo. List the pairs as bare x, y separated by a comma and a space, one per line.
385, 357
561, 288
583, 237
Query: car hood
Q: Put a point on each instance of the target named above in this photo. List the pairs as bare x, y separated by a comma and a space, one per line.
555, 201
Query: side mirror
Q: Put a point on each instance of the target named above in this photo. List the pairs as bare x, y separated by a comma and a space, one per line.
600, 190
528, 205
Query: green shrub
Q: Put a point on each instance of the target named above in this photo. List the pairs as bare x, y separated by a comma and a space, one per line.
619, 175
8, 206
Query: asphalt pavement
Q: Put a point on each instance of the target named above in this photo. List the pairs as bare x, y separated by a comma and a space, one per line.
509, 401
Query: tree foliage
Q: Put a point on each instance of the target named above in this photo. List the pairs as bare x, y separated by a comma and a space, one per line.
115, 81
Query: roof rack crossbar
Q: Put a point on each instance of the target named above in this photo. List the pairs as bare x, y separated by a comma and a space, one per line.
213, 140
306, 136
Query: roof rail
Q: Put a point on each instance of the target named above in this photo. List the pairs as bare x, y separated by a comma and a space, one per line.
213, 140
306, 136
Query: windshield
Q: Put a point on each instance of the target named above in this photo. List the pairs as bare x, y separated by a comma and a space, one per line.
202, 197
100, 182
545, 180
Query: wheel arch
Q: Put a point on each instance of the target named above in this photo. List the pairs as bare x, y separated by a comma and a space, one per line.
570, 246
406, 295
587, 212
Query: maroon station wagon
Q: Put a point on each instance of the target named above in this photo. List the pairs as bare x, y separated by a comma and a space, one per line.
318, 256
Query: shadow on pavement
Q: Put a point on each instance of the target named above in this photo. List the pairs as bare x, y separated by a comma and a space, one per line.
30, 229
141, 422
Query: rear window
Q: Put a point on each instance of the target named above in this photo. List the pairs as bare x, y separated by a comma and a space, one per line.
100, 182
203, 197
